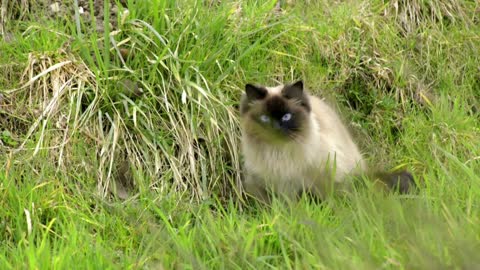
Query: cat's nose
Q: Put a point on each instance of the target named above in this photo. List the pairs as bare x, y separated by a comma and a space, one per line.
276, 125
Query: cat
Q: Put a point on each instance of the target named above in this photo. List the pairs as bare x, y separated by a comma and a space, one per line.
294, 142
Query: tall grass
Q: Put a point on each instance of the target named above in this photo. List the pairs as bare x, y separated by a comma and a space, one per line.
120, 145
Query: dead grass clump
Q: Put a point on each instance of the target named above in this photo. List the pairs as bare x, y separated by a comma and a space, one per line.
173, 135
40, 10
18, 10
414, 14
145, 122
43, 101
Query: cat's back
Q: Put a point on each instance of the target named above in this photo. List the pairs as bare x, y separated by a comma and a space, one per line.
327, 118
334, 133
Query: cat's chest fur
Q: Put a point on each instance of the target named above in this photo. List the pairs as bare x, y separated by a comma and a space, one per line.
292, 166
280, 163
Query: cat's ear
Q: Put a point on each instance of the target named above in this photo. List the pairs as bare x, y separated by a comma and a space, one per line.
254, 92
294, 90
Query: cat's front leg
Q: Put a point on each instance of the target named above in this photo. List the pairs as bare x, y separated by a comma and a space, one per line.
254, 186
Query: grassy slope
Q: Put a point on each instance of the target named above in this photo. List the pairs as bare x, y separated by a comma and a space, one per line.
409, 83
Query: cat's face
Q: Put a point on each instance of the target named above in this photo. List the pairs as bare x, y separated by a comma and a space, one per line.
278, 114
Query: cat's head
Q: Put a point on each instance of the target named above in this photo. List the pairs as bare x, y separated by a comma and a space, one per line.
275, 114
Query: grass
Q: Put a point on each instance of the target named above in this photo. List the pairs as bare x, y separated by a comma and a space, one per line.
120, 149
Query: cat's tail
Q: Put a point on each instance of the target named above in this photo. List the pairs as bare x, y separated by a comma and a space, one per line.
399, 181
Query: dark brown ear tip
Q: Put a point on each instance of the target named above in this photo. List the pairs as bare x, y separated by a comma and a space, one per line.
298, 83
255, 92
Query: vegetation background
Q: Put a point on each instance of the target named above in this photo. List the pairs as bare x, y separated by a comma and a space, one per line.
119, 138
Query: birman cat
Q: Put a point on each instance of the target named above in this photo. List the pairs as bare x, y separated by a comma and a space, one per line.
294, 142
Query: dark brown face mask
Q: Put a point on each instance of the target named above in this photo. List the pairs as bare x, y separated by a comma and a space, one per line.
281, 115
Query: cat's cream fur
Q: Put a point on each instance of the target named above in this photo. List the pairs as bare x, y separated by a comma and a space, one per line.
323, 156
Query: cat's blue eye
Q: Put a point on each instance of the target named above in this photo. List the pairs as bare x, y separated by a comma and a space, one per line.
286, 117
264, 118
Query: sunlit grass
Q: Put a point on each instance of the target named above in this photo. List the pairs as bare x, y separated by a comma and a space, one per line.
120, 149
